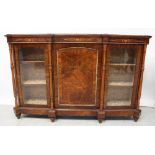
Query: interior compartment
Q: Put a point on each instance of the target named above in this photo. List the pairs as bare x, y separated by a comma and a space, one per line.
33, 72
122, 55
32, 54
35, 94
119, 96
121, 73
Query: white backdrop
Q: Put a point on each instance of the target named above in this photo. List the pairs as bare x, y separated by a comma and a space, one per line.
58, 17
77, 16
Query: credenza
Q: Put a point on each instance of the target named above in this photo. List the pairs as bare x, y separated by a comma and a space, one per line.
77, 75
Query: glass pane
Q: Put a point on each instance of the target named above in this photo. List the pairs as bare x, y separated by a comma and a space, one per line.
32, 54
121, 70
33, 78
32, 71
119, 95
122, 73
122, 55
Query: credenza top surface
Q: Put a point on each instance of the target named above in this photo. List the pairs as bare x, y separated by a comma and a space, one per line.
78, 38
78, 35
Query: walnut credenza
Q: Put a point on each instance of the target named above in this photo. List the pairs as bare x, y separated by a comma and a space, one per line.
77, 75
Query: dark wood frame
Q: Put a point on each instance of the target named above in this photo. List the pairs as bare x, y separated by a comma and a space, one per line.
101, 42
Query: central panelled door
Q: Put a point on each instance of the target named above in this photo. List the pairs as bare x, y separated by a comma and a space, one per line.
77, 75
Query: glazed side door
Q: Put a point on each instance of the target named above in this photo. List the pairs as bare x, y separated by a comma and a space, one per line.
122, 75
32, 61
77, 75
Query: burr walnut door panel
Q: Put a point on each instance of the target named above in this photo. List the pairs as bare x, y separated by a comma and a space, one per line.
122, 68
32, 70
77, 75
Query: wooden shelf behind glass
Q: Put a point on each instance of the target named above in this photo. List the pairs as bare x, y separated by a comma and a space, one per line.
27, 62
36, 101
119, 103
34, 82
121, 64
121, 84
